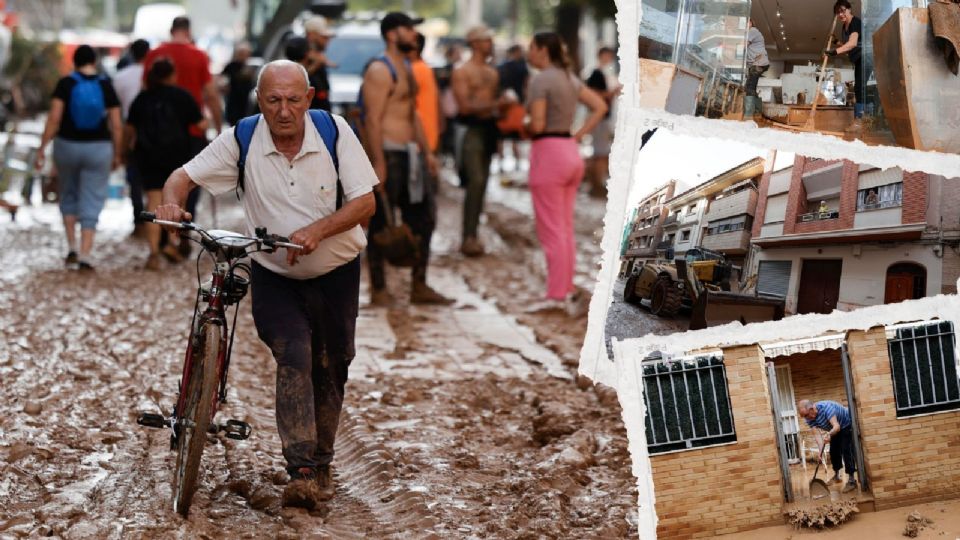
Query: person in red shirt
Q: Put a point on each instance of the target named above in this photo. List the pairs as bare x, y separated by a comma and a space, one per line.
192, 67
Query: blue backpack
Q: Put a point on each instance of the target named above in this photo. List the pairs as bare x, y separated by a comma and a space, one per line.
87, 105
326, 127
393, 74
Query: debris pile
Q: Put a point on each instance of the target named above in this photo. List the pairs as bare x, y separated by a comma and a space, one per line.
823, 516
915, 524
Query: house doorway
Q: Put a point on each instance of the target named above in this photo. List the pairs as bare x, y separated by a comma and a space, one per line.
819, 290
808, 369
905, 281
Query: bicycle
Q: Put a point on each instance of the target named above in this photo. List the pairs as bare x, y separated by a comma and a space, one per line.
203, 383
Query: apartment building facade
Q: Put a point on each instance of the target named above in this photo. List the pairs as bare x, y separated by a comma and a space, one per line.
646, 228
717, 214
838, 235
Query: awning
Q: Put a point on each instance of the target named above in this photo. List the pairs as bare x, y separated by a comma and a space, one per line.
799, 346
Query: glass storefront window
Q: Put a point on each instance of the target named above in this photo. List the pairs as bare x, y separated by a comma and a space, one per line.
706, 37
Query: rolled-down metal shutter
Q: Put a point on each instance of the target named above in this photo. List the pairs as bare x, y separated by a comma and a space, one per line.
773, 277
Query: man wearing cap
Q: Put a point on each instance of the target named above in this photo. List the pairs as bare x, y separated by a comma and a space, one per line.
475, 85
401, 157
318, 36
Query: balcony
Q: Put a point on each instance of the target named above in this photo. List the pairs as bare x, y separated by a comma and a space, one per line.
818, 216
666, 244
730, 243
743, 202
671, 220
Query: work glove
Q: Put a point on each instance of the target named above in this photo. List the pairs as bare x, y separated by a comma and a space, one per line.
830, 52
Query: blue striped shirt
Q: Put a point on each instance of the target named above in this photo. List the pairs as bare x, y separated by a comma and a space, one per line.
826, 410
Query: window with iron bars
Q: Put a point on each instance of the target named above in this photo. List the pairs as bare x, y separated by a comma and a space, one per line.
923, 362
688, 405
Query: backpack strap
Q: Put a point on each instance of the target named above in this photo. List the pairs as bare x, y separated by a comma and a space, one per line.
243, 133
330, 135
325, 125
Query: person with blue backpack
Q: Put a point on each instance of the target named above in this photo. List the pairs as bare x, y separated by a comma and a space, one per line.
300, 173
84, 125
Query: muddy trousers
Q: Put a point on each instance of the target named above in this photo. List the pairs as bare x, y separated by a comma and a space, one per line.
479, 144
556, 170
753, 78
309, 325
841, 451
421, 217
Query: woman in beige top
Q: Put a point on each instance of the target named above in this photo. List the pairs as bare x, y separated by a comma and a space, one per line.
556, 167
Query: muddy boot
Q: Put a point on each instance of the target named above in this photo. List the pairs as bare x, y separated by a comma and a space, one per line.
851, 485
302, 490
836, 478
421, 293
381, 298
71, 259
325, 483
472, 247
153, 262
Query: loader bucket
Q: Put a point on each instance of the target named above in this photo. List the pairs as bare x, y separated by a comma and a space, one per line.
713, 308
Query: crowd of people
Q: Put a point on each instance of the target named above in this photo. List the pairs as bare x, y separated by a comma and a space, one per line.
153, 117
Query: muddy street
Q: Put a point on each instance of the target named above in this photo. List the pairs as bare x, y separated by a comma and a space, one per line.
626, 320
464, 421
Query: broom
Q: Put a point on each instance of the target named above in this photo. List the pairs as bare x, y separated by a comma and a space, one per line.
809, 124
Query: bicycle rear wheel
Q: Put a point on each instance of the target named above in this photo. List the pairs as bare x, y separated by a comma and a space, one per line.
195, 418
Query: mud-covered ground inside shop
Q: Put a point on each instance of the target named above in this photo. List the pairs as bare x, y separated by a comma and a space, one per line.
463, 421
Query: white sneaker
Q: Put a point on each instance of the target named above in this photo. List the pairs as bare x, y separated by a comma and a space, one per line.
550, 304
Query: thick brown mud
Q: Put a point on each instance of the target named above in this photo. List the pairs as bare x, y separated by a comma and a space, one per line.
450, 429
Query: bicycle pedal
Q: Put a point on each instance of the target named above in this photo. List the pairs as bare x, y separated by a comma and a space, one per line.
153, 420
235, 429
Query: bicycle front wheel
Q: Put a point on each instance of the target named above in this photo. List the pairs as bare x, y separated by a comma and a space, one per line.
195, 418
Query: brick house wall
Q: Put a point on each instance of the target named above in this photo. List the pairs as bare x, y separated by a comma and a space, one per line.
816, 375
914, 197
727, 488
909, 460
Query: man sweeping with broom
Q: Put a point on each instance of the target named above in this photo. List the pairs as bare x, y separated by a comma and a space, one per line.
833, 418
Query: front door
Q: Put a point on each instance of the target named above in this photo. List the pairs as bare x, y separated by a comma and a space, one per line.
899, 288
819, 285
782, 451
787, 405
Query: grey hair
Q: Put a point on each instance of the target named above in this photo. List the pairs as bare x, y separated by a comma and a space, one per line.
279, 64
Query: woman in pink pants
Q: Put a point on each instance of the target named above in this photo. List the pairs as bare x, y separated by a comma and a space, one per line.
556, 167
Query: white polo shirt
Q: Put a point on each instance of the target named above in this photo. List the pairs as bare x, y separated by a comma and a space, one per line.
284, 196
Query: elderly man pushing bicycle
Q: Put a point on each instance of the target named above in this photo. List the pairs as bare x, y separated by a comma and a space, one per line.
305, 302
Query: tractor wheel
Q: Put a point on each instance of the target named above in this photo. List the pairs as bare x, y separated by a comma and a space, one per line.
630, 290
665, 298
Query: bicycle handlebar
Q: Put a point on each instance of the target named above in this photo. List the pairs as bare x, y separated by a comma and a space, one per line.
270, 240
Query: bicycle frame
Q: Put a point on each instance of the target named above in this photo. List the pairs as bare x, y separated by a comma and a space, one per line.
214, 312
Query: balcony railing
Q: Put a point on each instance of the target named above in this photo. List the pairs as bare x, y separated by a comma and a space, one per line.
671, 219
878, 205
666, 244
818, 216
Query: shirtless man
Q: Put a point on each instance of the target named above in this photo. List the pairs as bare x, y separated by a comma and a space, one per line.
475, 85
400, 155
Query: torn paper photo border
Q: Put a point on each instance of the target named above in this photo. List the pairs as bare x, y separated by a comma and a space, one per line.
715, 231
633, 122
735, 472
